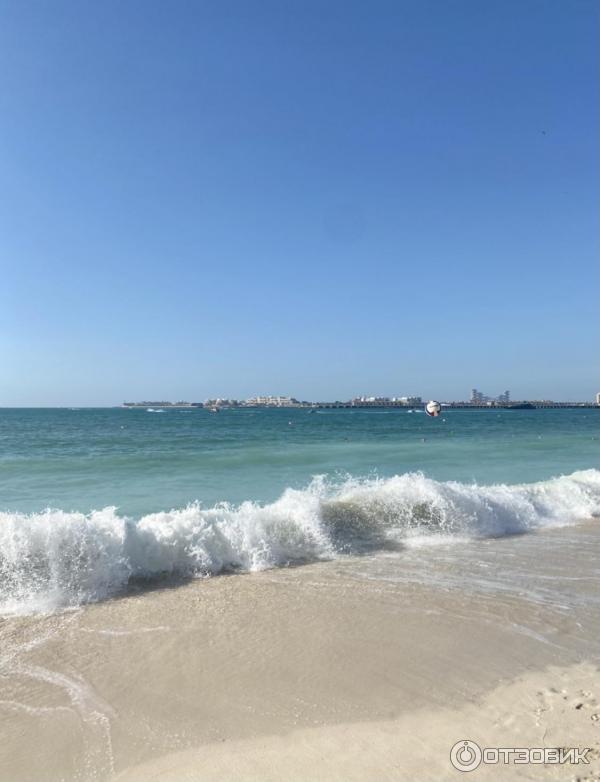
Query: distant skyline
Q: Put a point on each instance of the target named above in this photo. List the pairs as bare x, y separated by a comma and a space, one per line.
147, 400
315, 199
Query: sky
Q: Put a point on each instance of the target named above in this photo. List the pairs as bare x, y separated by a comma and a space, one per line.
321, 199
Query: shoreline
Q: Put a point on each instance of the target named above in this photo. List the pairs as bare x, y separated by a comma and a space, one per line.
335, 670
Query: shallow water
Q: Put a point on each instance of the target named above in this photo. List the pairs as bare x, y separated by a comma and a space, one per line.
141, 462
253, 489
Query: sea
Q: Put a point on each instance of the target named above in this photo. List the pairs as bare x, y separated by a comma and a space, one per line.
93, 500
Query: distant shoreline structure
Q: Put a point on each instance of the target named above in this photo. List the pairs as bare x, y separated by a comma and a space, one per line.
412, 403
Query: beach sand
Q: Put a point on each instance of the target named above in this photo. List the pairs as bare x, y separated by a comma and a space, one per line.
329, 671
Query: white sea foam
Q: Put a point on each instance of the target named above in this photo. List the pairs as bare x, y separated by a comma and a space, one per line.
57, 559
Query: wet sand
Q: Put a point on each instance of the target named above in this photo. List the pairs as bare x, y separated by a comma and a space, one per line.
332, 671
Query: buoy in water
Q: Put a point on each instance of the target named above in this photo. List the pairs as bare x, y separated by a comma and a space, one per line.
433, 408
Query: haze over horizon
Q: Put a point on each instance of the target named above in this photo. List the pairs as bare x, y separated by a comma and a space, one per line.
316, 200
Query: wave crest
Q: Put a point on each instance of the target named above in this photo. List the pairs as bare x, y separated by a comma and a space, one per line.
58, 559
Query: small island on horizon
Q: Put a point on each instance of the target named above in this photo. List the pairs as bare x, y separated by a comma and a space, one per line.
477, 401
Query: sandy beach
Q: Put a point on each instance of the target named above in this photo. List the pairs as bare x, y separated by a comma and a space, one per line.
299, 412
331, 671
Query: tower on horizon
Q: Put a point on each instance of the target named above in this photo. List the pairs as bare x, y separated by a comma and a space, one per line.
479, 398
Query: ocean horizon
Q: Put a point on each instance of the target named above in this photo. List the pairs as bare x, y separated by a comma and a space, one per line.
93, 499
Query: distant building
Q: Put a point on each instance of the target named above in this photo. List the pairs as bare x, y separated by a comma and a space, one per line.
598, 398
409, 401
478, 398
221, 402
385, 401
272, 401
374, 401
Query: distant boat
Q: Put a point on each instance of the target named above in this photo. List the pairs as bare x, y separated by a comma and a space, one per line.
214, 409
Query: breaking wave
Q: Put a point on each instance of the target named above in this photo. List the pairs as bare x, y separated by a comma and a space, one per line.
57, 559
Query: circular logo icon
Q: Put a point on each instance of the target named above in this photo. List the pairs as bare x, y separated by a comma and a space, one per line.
465, 755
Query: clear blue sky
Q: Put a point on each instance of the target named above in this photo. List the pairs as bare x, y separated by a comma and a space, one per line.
315, 198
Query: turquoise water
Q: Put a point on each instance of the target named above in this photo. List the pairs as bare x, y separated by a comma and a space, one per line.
90, 499
143, 462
